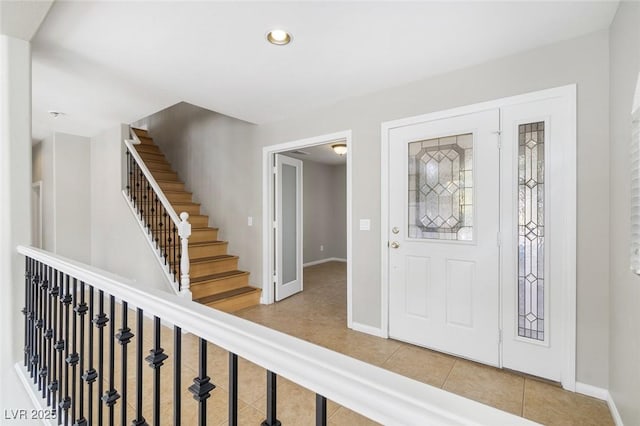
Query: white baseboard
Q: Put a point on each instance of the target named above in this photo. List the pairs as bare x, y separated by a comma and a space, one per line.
363, 328
614, 410
602, 394
592, 391
329, 259
39, 403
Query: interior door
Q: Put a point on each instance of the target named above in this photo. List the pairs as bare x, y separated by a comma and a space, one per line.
443, 236
288, 226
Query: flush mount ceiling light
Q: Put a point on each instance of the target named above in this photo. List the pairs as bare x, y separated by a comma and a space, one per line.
340, 148
279, 37
55, 114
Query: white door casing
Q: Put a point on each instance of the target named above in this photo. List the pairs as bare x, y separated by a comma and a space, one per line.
443, 293
288, 226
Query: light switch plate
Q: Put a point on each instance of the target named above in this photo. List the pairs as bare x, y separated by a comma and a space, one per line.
250, 221
365, 224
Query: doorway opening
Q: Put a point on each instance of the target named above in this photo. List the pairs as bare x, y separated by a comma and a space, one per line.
307, 204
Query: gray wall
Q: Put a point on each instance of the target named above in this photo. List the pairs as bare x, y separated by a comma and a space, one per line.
36, 162
624, 373
325, 211
217, 159
583, 61
118, 244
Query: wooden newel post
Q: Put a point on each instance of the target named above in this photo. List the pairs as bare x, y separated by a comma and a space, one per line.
184, 231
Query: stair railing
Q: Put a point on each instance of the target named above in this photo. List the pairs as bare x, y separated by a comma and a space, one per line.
68, 303
167, 232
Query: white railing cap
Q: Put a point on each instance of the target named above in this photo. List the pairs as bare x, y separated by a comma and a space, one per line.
378, 394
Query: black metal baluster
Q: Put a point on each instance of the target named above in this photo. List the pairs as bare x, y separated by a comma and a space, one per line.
25, 310
100, 321
60, 343
165, 232
128, 187
111, 396
233, 389
172, 241
139, 421
142, 193
49, 335
90, 375
44, 365
177, 379
124, 337
202, 386
72, 358
57, 345
66, 300
80, 310
42, 294
156, 359
147, 217
321, 410
34, 332
272, 400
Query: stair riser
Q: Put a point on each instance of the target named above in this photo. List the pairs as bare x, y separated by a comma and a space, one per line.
189, 208
207, 251
158, 166
165, 175
183, 197
145, 140
199, 222
201, 236
147, 148
237, 303
202, 269
172, 186
208, 288
150, 156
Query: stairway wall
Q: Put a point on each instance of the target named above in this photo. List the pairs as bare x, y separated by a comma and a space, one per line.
216, 157
117, 244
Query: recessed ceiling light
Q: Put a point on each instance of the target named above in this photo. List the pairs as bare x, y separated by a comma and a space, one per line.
279, 37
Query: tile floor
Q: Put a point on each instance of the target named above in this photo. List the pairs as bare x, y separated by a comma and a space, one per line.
320, 317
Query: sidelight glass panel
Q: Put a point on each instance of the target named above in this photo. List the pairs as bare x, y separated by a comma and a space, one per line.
440, 188
289, 224
531, 230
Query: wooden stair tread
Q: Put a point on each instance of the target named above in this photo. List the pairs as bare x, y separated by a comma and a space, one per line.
207, 243
218, 276
160, 181
218, 258
203, 229
226, 295
173, 192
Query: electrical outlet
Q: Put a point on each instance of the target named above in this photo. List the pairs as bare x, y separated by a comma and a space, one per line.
321, 247
250, 221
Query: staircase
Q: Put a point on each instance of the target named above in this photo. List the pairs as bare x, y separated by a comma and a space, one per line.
214, 275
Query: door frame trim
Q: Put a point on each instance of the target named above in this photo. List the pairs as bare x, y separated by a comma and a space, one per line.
568, 236
268, 153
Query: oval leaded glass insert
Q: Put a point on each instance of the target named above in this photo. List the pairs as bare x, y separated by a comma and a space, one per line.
531, 230
440, 188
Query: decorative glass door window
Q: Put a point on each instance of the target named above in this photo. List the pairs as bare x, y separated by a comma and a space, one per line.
441, 188
531, 230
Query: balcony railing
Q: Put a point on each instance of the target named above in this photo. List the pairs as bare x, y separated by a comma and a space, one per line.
85, 377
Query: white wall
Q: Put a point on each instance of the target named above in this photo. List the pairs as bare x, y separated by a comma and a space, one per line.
216, 158
64, 170
624, 371
583, 61
118, 244
325, 211
15, 207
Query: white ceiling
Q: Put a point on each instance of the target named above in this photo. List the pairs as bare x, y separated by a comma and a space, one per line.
22, 18
320, 154
104, 63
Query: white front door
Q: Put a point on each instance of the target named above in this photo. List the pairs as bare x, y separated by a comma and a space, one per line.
443, 235
288, 226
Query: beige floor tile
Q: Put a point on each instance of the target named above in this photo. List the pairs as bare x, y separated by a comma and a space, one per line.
488, 385
346, 417
421, 364
550, 405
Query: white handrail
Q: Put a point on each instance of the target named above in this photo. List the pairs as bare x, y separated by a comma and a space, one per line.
376, 393
152, 181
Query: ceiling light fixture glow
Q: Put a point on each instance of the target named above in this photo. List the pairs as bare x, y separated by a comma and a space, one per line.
279, 37
340, 148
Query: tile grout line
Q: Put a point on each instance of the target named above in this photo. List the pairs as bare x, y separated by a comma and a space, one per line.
455, 361
524, 385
